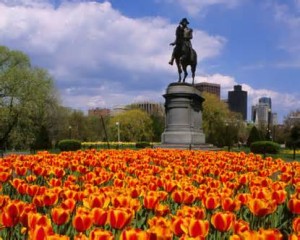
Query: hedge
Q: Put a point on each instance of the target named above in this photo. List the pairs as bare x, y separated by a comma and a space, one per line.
69, 145
265, 147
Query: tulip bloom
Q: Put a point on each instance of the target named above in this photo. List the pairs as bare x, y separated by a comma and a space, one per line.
270, 234
119, 218
60, 216
160, 233
279, 196
10, 215
136, 234
4, 176
198, 228
69, 204
177, 224
260, 207
96, 200
21, 171
229, 204
99, 234
82, 222
50, 198
185, 197
40, 232
240, 226
294, 205
211, 202
296, 224
99, 216
223, 221
151, 201
162, 210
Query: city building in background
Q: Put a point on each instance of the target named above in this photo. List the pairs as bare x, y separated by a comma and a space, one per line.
262, 114
213, 88
238, 100
150, 107
99, 112
295, 118
265, 100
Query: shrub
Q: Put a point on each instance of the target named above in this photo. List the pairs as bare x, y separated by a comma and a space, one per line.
265, 147
69, 145
142, 144
254, 136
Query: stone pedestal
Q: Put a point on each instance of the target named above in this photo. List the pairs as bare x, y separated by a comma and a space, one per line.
183, 107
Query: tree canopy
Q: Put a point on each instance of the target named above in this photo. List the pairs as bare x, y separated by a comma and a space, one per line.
27, 97
134, 125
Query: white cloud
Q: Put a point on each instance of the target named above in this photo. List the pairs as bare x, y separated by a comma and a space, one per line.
281, 102
90, 45
193, 7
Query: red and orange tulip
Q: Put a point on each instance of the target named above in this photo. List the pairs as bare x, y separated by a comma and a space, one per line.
296, 225
211, 201
180, 196
261, 207
294, 205
136, 234
196, 228
82, 222
223, 221
10, 215
99, 234
151, 201
119, 218
99, 216
229, 204
60, 215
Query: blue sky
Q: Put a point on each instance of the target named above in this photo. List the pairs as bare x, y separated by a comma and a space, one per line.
110, 53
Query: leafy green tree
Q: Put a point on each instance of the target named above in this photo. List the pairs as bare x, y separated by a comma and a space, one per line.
27, 98
215, 113
134, 125
158, 126
254, 136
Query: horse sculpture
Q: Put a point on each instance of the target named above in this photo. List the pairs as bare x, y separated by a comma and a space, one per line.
182, 63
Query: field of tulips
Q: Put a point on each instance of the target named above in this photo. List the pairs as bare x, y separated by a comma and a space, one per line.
149, 194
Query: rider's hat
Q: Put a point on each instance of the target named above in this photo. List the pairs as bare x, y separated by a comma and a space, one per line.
184, 20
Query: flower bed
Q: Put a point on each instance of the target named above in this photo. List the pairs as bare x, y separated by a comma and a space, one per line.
149, 194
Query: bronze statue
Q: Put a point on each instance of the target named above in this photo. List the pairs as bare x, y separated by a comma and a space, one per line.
183, 52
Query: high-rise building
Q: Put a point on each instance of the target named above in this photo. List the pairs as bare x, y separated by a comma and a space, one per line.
99, 112
237, 101
150, 107
213, 88
262, 112
266, 100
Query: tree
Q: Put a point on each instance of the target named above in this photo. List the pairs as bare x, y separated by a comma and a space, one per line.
27, 98
254, 136
134, 125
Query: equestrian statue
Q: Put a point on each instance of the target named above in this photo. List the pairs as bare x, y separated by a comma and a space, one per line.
183, 52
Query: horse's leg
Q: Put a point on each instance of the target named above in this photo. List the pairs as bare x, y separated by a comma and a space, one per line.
185, 73
193, 68
179, 69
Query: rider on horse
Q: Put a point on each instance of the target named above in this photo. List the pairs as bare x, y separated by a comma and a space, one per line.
182, 43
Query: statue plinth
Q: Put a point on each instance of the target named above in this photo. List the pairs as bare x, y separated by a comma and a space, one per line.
183, 107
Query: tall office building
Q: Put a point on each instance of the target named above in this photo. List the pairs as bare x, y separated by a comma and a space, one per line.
265, 100
237, 101
262, 112
213, 88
